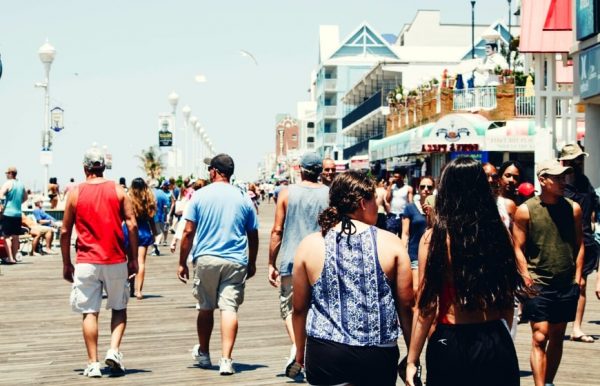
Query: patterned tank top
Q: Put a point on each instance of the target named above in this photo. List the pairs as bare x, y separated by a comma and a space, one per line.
352, 301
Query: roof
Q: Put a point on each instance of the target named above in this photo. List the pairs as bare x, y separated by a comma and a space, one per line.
535, 16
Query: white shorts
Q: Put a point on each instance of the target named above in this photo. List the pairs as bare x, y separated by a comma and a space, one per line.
88, 281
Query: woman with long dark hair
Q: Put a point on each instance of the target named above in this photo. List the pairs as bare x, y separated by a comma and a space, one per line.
468, 282
144, 207
352, 284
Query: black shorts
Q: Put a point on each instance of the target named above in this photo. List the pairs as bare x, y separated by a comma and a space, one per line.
551, 305
590, 260
331, 363
381, 220
472, 354
11, 226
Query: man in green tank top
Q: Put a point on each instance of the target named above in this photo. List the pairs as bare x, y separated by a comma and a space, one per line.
548, 239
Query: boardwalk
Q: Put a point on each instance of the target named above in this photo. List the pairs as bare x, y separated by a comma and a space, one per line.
41, 342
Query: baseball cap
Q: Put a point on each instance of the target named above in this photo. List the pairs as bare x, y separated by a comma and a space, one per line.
11, 169
165, 184
526, 189
311, 161
552, 167
571, 151
222, 162
93, 159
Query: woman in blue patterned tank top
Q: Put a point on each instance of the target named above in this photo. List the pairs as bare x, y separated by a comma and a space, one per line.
352, 291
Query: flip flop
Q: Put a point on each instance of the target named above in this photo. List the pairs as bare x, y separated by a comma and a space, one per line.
583, 338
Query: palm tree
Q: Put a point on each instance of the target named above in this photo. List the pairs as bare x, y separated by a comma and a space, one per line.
151, 162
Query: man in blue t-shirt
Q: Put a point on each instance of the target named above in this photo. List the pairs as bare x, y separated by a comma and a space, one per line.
220, 238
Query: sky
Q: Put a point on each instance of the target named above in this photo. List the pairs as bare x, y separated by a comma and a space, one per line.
117, 61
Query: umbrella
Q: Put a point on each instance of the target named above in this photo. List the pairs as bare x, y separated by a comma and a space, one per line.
529, 90
460, 85
471, 82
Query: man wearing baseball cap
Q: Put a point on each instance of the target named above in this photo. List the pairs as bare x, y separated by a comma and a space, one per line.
296, 216
221, 225
580, 190
97, 207
548, 241
14, 194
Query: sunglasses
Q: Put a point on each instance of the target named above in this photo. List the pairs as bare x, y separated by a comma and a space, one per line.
329, 170
426, 187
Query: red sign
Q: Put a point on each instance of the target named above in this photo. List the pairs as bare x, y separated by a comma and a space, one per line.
444, 148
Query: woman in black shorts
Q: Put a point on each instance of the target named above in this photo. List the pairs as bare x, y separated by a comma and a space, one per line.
468, 282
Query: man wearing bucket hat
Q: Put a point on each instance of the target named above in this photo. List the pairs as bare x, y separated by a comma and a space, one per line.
296, 216
549, 248
221, 240
580, 190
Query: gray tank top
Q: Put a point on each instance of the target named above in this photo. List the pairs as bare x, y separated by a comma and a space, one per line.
301, 219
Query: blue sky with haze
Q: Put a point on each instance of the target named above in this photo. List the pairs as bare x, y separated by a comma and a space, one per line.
129, 55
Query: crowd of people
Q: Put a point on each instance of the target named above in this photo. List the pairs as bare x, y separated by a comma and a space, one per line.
455, 261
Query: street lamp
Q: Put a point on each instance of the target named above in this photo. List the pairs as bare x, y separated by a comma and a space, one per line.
47, 53
173, 99
472, 29
187, 111
509, 34
191, 154
198, 145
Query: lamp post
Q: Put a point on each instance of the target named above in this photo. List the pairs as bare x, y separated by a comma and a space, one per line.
509, 34
173, 99
186, 111
472, 29
191, 154
47, 53
199, 130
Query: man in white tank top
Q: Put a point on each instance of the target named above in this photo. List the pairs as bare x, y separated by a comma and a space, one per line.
398, 195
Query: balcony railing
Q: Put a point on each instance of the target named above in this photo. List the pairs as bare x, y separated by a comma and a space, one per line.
330, 84
368, 106
524, 104
330, 111
329, 138
478, 98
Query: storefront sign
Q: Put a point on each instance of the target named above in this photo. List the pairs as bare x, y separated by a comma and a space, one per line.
586, 18
481, 156
453, 147
589, 61
359, 162
510, 143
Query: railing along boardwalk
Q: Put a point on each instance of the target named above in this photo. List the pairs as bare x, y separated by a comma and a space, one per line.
41, 342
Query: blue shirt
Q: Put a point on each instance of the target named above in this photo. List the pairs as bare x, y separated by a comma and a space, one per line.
163, 203
352, 301
40, 214
223, 215
14, 199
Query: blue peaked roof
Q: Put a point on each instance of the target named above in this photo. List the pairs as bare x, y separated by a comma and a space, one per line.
365, 41
480, 45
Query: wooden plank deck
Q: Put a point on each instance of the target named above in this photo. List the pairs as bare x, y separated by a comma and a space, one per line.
41, 342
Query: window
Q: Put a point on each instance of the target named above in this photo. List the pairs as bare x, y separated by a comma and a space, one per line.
310, 125
294, 137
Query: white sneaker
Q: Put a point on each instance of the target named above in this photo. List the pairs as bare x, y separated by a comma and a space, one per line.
92, 370
19, 257
226, 366
203, 358
114, 360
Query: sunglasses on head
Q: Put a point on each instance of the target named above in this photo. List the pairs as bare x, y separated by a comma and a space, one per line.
426, 187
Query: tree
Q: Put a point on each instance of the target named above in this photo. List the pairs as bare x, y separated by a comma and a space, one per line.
151, 162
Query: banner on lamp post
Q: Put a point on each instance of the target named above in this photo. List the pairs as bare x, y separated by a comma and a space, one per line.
165, 134
57, 119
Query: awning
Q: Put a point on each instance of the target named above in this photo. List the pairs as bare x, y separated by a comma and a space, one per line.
517, 135
397, 145
535, 15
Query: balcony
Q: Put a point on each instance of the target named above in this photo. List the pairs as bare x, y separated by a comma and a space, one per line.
330, 84
474, 99
359, 148
368, 106
330, 111
329, 138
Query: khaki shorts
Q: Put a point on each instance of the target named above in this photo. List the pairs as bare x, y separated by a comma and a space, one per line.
218, 283
286, 291
90, 279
